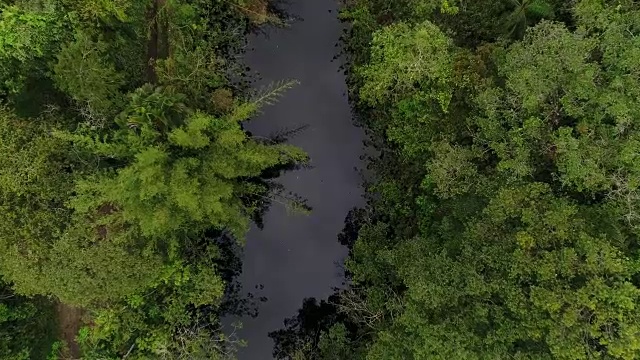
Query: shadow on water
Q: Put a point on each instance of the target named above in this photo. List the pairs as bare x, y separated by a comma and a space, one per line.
228, 264
301, 334
287, 257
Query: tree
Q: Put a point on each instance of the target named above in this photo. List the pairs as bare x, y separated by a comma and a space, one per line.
501, 222
83, 72
113, 181
29, 39
26, 326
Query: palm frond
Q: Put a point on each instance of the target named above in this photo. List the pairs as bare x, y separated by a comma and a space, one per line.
269, 94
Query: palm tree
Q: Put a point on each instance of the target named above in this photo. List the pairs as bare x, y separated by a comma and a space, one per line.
524, 13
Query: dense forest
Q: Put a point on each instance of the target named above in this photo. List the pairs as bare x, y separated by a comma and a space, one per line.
504, 212
503, 198
124, 172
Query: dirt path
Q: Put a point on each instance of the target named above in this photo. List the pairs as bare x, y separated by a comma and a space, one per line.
69, 322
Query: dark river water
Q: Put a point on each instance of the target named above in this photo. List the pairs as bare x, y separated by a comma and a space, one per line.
295, 256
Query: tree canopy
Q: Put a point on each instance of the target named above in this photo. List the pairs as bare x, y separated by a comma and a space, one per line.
502, 221
123, 163
503, 213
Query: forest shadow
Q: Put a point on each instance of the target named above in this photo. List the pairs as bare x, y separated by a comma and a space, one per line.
315, 317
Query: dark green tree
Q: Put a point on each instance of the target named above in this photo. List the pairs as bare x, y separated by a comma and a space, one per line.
123, 150
502, 221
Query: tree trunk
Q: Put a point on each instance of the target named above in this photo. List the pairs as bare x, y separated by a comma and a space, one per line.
154, 45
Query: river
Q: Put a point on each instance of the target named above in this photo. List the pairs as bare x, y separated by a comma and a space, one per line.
295, 256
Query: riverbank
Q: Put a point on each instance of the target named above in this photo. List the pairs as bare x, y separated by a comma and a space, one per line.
297, 256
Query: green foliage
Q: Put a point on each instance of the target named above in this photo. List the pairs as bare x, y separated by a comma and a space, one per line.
502, 222
34, 184
107, 11
550, 66
160, 321
524, 11
10, 334
183, 171
335, 344
123, 161
403, 58
25, 326
27, 153
28, 38
82, 72
555, 285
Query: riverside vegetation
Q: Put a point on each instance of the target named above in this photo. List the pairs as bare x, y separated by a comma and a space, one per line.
503, 214
123, 167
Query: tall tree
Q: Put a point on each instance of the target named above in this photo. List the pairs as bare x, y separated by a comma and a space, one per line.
124, 161
502, 220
